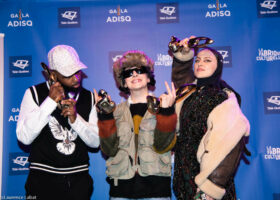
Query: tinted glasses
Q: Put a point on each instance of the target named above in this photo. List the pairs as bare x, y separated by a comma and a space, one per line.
129, 72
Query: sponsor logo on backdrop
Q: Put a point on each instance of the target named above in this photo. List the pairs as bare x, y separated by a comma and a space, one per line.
69, 17
276, 196
269, 4
225, 51
272, 153
14, 115
167, 13
20, 66
218, 9
113, 57
18, 163
20, 19
118, 15
163, 60
268, 8
268, 55
271, 102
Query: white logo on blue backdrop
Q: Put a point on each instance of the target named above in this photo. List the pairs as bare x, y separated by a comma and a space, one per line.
168, 10
272, 153
225, 51
269, 4
274, 100
20, 19
69, 17
14, 115
20, 66
118, 15
117, 57
167, 13
163, 60
268, 8
271, 102
217, 10
21, 160
18, 163
113, 57
268, 55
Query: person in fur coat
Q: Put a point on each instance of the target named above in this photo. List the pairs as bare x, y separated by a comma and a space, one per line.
210, 130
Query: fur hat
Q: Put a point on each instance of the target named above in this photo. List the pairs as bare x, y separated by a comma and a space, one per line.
132, 59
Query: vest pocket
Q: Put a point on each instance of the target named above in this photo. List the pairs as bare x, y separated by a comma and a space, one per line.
118, 165
152, 163
165, 164
148, 161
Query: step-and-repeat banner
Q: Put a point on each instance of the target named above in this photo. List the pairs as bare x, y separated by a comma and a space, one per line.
245, 32
1, 99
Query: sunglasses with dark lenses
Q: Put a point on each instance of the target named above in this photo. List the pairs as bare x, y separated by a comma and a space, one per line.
128, 73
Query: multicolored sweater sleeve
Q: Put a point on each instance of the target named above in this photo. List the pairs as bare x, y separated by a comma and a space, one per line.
164, 135
109, 141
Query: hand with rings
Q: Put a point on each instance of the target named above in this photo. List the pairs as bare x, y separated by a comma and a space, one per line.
184, 43
56, 92
69, 109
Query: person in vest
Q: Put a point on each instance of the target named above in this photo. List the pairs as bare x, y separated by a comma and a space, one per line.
59, 121
211, 127
138, 142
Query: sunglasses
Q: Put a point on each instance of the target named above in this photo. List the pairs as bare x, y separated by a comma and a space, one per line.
129, 73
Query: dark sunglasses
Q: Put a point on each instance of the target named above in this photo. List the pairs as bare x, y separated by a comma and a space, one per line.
128, 73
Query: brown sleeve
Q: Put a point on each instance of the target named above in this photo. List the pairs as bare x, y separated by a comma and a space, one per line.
182, 72
227, 167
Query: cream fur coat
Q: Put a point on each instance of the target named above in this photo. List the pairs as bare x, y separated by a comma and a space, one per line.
226, 126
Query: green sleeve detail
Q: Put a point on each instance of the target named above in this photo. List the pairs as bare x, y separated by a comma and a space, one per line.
164, 142
109, 145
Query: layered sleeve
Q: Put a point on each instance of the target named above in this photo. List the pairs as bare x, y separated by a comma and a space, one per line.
164, 135
88, 131
222, 142
33, 118
109, 141
182, 71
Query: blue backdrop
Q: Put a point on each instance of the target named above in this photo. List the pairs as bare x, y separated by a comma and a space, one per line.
245, 32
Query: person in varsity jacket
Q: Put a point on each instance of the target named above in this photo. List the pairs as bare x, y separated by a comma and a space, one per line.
138, 142
59, 121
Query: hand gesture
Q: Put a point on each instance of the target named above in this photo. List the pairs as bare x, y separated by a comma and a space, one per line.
69, 109
167, 100
97, 98
202, 195
103, 102
56, 92
184, 43
209, 198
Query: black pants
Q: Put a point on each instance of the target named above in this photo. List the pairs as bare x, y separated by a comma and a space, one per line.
48, 186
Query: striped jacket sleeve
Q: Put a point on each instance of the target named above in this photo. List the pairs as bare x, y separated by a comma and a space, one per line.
109, 141
164, 135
